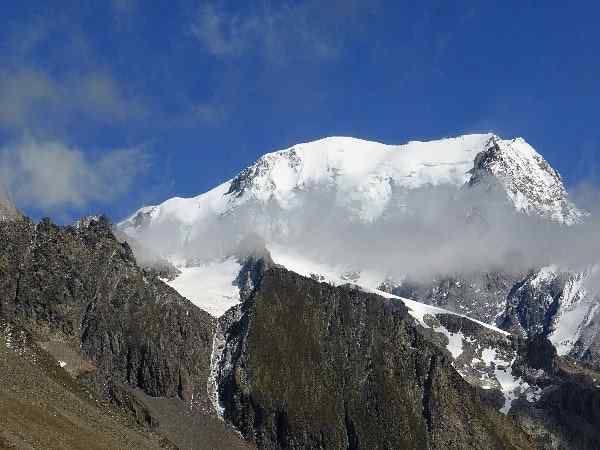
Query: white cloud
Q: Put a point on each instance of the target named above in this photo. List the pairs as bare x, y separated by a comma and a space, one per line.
425, 232
221, 34
52, 175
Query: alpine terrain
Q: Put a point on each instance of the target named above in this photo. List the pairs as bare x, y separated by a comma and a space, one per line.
339, 294
431, 221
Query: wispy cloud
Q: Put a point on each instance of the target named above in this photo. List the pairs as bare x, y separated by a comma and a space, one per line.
30, 96
100, 93
209, 113
279, 32
124, 7
50, 76
50, 175
220, 33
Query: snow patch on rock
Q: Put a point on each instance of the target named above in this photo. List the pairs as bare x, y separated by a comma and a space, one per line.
210, 286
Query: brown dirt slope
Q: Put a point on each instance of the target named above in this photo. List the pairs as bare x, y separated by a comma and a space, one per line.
42, 407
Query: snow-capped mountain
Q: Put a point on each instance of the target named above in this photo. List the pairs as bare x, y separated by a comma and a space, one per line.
366, 177
346, 210
348, 181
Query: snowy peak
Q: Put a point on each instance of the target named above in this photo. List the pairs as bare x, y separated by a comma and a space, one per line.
362, 173
365, 174
531, 184
352, 181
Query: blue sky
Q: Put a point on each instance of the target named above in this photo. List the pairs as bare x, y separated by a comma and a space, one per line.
107, 106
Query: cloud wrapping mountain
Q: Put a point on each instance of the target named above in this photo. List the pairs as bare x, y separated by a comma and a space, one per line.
413, 210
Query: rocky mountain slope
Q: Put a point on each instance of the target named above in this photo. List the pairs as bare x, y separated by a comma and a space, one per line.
304, 364
360, 376
42, 406
532, 185
481, 296
555, 303
127, 337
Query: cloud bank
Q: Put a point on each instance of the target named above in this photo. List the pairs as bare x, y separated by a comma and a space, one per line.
49, 175
423, 233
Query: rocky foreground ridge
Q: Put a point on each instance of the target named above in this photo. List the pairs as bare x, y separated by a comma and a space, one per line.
79, 296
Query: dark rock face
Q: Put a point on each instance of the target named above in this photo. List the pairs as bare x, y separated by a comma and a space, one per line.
124, 334
574, 410
309, 365
567, 415
539, 353
81, 287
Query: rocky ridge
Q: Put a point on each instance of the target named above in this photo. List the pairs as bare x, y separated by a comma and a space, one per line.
304, 364
309, 365
120, 331
533, 186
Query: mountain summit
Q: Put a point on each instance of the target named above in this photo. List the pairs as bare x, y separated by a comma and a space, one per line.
361, 180
530, 182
